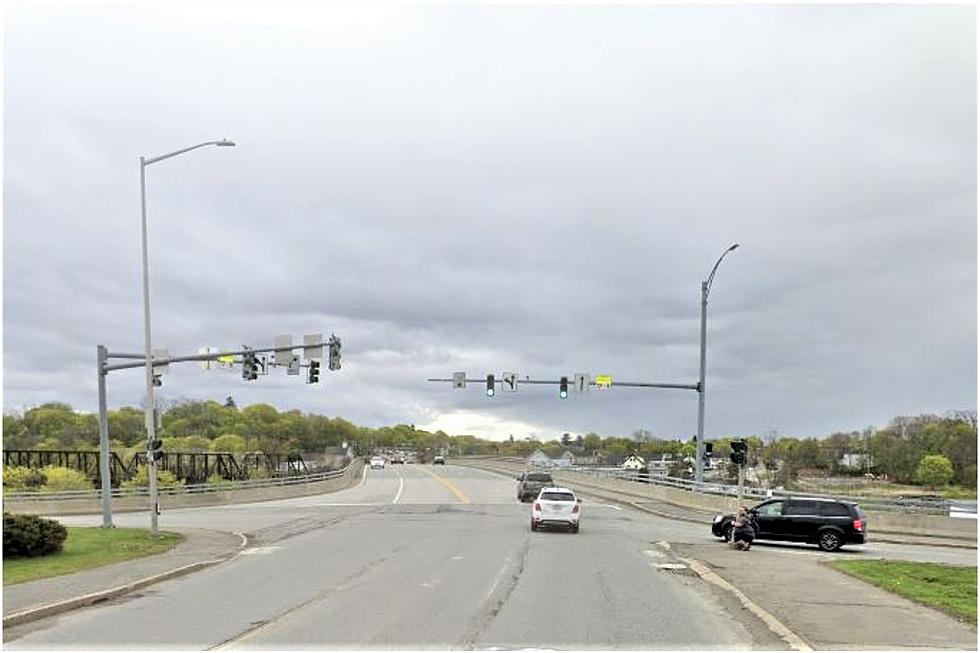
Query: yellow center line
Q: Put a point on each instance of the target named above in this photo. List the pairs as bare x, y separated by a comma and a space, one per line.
449, 486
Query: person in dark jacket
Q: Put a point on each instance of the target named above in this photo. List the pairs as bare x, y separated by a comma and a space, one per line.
743, 530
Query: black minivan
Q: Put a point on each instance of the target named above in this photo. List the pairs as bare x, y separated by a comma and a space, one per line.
828, 523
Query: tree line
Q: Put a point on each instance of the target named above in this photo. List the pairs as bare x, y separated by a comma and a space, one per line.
896, 450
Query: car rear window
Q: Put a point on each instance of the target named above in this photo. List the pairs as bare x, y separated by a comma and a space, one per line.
540, 478
558, 496
828, 509
803, 508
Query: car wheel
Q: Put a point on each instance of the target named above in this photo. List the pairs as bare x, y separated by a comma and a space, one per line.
574, 528
728, 533
534, 526
829, 540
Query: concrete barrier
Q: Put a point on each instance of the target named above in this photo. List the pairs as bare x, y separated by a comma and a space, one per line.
890, 523
351, 476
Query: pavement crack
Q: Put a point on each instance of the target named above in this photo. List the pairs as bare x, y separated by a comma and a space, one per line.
342, 584
497, 598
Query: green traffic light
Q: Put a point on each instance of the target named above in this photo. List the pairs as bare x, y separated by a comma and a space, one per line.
489, 392
563, 394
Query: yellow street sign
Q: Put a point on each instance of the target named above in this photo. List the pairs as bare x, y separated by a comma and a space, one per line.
603, 380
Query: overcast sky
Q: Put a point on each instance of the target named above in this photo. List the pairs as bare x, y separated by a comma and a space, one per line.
501, 188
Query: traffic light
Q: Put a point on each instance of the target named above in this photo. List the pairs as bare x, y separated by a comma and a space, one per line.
563, 387
334, 353
739, 452
313, 373
157, 381
250, 367
708, 449
154, 450
490, 386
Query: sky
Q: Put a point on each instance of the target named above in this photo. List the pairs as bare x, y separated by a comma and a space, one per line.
501, 188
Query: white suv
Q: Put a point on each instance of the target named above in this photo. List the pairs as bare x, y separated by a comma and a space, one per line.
377, 462
556, 506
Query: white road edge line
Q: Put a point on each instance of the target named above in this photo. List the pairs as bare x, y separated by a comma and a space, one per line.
401, 486
363, 476
776, 626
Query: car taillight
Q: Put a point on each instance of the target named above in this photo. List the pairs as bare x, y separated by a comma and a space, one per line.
858, 524
537, 507
575, 509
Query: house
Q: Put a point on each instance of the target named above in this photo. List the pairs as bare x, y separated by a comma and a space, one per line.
567, 459
857, 461
634, 462
539, 459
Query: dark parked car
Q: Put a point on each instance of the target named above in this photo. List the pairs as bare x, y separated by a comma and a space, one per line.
828, 523
530, 483
438, 460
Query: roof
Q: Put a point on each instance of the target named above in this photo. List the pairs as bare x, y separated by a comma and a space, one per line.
558, 489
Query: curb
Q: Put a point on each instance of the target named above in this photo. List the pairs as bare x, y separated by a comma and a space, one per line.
794, 641
50, 609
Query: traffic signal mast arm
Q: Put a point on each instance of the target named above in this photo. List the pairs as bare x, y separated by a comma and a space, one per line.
626, 384
184, 359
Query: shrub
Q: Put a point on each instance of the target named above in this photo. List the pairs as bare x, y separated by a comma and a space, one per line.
257, 473
165, 479
63, 479
220, 482
29, 536
22, 479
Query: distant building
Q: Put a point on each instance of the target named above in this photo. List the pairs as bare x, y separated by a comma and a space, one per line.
567, 459
539, 459
857, 461
633, 461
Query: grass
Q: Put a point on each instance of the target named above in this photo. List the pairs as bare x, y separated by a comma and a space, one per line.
945, 587
86, 548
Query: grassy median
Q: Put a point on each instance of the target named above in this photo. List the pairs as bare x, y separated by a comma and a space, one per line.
945, 587
86, 548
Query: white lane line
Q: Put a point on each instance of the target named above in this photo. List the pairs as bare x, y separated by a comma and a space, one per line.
609, 505
363, 476
401, 486
259, 550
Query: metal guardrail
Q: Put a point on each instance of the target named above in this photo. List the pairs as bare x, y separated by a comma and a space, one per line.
915, 506
199, 488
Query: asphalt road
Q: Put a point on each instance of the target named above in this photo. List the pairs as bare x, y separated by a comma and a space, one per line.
422, 557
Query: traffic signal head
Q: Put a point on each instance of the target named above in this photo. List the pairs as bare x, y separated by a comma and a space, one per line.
490, 386
708, 448
154, 450
313, 373
250, 367
563, 387
333, 347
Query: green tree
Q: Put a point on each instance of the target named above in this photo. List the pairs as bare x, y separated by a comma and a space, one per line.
934, 470
229, 442
63, 479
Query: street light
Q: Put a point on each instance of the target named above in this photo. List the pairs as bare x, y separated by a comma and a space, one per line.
149, 416
705, 289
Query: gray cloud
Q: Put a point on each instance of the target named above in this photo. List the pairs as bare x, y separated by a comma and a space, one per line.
496, 188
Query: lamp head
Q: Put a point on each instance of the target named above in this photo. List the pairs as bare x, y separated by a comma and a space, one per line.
733, 247
224, 142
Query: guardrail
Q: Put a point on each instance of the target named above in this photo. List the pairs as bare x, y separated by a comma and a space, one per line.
200, 488
906, 506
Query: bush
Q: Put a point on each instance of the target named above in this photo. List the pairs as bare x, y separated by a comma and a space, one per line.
27, 536
165, 479
22, 479
221, 482
63, 479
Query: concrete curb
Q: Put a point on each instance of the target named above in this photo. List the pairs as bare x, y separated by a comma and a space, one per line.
50, 609
794, 641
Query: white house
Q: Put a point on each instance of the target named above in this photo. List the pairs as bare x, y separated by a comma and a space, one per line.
540, 459
633, 462
567, 459
856, 460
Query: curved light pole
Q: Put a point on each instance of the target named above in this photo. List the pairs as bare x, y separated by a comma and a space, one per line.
149, 416
705, 289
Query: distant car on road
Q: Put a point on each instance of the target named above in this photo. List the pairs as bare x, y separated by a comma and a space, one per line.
438, 460
398, 460
377, 462
529, 484
828, 523
556, 506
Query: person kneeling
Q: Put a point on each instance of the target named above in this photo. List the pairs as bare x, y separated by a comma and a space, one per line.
742, 530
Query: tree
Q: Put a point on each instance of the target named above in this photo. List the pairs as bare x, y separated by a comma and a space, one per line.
934, 470
592, 442
566, 439
230, 402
